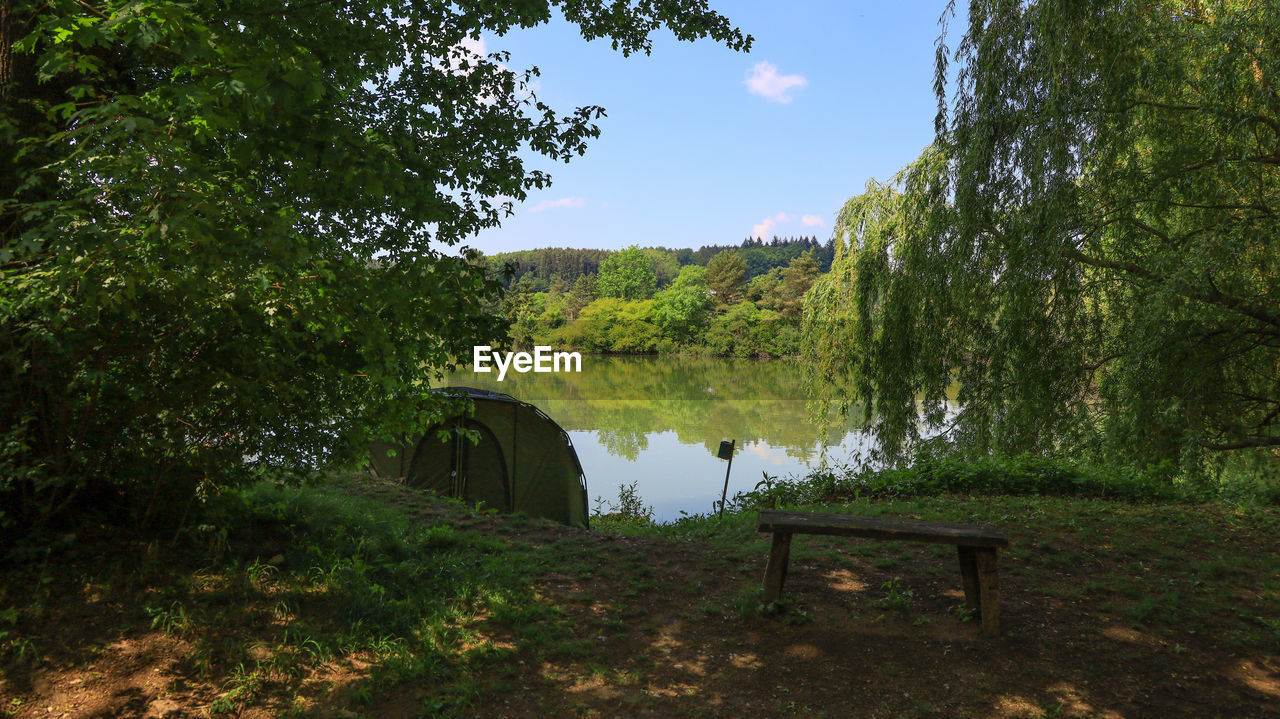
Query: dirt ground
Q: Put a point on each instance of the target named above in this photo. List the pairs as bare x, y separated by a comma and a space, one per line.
850, 657
669, 627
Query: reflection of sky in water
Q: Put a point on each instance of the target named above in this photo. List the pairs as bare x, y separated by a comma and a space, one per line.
651, 420
767, 454
674, 476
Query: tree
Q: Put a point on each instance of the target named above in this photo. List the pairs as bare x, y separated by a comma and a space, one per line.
530, 283
627, 274
221, 226
787, 296
548, 263
682, 310
763, 286
727, 273
522, 308
1092, 251
584, 291
664, 265
615, 325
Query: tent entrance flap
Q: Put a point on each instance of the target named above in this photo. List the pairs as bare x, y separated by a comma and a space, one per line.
507, 455
458, 466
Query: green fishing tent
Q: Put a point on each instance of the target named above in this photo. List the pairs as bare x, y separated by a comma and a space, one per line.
522, 462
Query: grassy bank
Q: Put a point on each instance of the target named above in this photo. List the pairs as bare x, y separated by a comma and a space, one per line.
1009, 476
364, 599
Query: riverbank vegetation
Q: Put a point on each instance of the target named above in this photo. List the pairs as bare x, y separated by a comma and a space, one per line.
1019, 476
726, 302
189, 304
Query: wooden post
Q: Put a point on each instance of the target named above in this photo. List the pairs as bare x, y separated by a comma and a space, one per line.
988, 590
969, 577
776, 572
725, 492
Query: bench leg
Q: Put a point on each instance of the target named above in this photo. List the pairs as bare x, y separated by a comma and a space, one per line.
969, 577
988, 591
776, 573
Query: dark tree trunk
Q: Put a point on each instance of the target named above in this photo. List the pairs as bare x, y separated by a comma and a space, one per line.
17, 88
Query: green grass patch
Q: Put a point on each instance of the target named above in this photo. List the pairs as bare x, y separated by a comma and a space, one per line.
279, 582
1157, 566
451, 611
1023, 475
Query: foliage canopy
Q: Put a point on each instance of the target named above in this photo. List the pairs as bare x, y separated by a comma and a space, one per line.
627, 274
221, 224
727, 273
1090, 250
683, 309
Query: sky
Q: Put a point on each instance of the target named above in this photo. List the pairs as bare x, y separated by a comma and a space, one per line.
702, 145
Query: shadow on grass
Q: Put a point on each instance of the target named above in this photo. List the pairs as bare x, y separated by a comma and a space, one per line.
286, 600
368, 599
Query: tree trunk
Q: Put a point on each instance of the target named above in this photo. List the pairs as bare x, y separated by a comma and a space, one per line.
17, 88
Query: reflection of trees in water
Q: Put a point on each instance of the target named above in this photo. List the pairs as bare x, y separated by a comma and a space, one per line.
778, 423
702, 399
652, 378
627, 444
805, 454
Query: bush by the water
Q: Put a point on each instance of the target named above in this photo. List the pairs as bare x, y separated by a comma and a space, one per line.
1021, 475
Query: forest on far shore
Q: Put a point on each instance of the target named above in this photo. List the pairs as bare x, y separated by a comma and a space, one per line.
724, 300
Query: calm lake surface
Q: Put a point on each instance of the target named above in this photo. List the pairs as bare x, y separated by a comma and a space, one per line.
658, 421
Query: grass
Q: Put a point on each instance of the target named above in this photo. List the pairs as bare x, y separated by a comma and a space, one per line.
1077, 548
1025, 475
364, 596
281, 584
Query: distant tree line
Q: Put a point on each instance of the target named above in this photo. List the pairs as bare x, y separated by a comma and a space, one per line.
627, 308
557, 268
760, 256
549, 264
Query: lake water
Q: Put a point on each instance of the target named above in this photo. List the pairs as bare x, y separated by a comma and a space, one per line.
658, 421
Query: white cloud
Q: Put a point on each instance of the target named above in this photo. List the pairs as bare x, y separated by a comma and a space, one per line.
765, 228
562, 202
762, 230
474, 50
765, 81
474, 45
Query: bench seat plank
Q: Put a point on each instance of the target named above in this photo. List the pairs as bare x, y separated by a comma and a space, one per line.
879, 528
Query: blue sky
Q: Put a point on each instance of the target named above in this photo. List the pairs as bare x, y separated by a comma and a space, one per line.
703, 145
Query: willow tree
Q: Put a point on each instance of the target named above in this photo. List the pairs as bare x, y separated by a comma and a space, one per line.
224, 224
1090, 251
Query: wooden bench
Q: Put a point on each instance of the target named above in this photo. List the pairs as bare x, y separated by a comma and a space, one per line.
977, 547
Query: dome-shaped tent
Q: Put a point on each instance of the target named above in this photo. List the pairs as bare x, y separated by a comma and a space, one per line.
523, 461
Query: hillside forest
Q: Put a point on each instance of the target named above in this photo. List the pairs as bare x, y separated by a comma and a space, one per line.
743, 301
